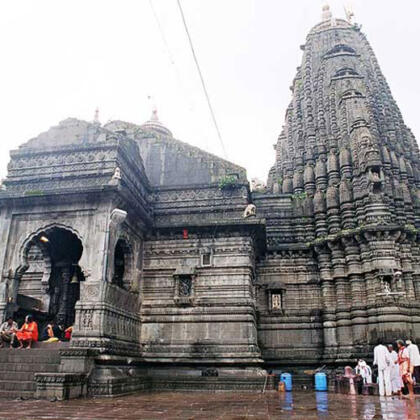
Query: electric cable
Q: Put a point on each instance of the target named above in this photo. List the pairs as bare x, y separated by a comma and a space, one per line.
203, 84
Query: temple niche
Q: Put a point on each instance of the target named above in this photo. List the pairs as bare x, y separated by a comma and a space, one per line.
176, 274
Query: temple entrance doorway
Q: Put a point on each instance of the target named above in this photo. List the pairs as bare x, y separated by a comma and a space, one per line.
61, 251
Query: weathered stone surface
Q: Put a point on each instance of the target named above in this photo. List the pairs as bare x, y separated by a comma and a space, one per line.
363, 231
140, 240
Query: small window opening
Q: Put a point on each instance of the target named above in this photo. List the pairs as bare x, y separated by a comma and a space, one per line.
119, 264
185, 285
206, 259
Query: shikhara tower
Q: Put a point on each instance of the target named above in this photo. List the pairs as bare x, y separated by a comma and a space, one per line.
351, 168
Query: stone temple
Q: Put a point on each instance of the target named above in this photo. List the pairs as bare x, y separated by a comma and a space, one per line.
176, 275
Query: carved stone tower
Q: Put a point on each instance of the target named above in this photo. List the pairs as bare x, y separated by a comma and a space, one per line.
351, 168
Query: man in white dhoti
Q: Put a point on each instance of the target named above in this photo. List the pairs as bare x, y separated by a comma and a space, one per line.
383, 360
413, 352
396, 381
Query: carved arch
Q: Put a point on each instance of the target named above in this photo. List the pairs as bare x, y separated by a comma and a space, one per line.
24, 261
24, 248
351, 94
340, 49
345, 72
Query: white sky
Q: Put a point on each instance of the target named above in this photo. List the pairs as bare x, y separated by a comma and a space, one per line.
62, 59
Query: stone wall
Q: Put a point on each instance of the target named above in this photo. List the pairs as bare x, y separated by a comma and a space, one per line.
291, 333
216, 321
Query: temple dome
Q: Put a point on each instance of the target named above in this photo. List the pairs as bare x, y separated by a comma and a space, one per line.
154, 125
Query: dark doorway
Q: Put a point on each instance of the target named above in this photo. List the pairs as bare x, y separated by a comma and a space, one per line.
64, 249
122, 264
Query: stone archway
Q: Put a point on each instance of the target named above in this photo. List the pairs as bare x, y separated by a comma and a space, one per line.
55, 285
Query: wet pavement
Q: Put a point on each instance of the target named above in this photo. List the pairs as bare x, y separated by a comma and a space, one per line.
167, 405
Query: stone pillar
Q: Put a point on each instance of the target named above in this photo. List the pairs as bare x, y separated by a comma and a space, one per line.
62, 315
90, 310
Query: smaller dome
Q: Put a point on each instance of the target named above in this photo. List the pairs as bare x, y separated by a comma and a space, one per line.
155, 125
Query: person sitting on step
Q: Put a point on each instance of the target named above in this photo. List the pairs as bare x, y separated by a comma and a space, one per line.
52, 333
67, 333
8, 332
28, 333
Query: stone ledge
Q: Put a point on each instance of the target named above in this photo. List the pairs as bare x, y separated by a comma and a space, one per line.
61, 386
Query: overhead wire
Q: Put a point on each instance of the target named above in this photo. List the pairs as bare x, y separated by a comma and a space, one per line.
171, 56
203, 84
162, 33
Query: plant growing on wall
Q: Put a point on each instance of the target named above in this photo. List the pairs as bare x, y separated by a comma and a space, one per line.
299, 196
34, 192
411, 229
228, 182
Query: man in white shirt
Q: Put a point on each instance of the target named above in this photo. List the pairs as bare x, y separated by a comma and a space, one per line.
7, 332
413, 352
383, 360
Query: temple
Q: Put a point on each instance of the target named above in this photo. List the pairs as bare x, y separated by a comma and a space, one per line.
176, 275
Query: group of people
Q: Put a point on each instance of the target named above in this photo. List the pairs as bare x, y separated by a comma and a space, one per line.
28, 333
396, 370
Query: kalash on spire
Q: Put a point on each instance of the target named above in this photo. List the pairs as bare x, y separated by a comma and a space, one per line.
351, 166
154, 124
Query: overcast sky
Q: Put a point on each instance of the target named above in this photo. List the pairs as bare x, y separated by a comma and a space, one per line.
63, 59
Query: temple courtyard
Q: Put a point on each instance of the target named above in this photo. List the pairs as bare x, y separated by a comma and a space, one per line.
303, 405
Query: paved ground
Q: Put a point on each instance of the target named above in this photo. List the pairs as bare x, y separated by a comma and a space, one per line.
272, 405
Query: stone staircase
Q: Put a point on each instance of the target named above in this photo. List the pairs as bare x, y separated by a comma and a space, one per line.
18, 367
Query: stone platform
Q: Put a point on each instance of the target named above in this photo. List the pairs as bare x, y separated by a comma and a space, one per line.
226, 406
18, 368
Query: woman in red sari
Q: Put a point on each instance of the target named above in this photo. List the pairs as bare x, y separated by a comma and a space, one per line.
405, 371
28, 333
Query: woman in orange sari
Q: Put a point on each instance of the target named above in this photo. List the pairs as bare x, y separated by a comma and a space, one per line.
405, 371
28, 333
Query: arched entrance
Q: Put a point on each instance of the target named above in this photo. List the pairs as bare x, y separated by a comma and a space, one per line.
60, 249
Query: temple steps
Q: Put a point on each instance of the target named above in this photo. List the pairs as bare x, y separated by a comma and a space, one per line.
40, 358
18, 367
26, 395
23, 376
17, 385
24, 367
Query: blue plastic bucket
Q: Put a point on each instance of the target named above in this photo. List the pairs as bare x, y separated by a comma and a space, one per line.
321, 382
287, 379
